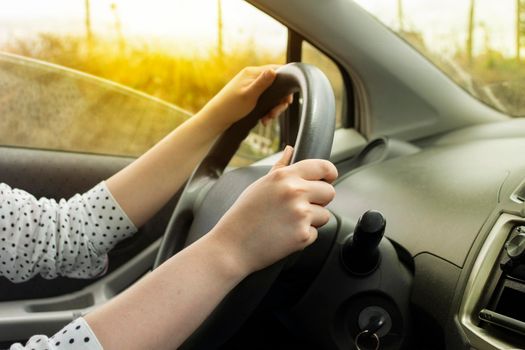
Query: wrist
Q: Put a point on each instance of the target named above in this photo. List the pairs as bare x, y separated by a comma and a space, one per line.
226, 256
213, 118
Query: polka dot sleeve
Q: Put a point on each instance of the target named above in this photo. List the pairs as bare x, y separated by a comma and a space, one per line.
75, 336
66, 238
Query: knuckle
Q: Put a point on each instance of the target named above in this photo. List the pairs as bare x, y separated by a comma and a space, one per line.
292, 190
303, 236
301, 211
242, 94
279, 174
248, 70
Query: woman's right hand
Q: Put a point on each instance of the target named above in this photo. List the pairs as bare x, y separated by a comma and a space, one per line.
278, 214
275, 216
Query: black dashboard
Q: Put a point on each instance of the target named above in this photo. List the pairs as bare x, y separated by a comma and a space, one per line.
440, 278
440, 203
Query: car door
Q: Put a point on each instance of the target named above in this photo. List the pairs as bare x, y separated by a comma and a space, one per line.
45, 107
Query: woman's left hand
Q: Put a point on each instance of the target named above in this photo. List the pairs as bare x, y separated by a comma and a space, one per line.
240, 95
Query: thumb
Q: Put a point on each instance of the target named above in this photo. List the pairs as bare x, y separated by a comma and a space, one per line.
285, 159
262, 82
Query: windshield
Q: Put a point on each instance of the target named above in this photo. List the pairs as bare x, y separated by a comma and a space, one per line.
480, 44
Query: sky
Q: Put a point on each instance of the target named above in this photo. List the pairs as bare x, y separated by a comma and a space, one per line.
190, 23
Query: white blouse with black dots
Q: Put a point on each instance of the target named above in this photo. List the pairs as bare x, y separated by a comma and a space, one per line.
75, 336
66, 238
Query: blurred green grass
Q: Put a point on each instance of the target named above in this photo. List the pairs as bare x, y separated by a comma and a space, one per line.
186, 80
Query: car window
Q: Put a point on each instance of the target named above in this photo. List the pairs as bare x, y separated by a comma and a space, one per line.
310, 54
49, 107
479, 44
147, 67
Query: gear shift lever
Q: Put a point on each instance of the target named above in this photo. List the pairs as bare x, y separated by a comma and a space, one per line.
360, 253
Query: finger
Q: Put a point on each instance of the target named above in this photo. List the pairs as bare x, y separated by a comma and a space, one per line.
287, 99
285, 158
320, 215
256, 70
274, 113
312, 236
271, 66
266, 120
315, 169
262, 82
319, 192
277, 110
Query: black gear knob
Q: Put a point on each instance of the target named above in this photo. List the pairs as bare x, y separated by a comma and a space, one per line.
360, 253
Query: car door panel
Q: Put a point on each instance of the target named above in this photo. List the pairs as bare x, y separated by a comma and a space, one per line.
60, 175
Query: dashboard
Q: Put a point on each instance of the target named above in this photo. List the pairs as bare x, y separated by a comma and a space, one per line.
452, 209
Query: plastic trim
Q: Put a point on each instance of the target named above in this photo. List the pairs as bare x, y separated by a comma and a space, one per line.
22, 319
484, 266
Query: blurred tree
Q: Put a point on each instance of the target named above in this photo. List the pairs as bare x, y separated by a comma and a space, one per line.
89, 33
118, 28
470, 31
520, 27
400, 16
219, 29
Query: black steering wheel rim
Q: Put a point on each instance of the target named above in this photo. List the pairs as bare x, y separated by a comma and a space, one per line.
314, 140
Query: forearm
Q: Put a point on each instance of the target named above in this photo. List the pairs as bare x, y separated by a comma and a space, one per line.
147, 184
163, 309
273, 217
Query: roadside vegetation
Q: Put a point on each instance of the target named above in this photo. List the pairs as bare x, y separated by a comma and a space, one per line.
186, 80
493, 77
189, 79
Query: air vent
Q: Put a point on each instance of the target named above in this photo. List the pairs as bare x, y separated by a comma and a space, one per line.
506, 306
500, 320
492, 310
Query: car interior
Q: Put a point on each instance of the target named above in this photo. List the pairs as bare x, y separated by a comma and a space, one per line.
425, 247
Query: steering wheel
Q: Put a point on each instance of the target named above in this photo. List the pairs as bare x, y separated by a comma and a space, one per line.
209, 193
